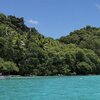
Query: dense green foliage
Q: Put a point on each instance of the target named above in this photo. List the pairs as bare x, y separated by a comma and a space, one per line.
88, 37
25, 51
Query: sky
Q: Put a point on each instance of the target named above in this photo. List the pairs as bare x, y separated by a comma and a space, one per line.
54, 18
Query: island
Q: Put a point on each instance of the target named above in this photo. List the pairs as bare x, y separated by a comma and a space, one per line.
24, 51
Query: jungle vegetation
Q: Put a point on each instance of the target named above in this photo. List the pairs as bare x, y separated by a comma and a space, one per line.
24, 51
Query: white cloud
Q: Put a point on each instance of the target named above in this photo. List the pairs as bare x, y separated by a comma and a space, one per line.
34, 22
98, 6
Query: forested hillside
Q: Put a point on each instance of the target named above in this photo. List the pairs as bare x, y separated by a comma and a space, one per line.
88, 37
24, 51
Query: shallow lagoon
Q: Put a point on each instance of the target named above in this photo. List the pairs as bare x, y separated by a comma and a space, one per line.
51, 88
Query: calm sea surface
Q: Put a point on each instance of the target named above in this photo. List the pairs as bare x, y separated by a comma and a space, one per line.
51, 88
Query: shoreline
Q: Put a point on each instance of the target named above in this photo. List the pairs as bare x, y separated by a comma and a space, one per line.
22, 77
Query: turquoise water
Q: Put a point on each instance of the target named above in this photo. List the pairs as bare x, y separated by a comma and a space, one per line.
51, 88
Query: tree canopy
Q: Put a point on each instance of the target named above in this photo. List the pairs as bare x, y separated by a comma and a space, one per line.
25, 51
